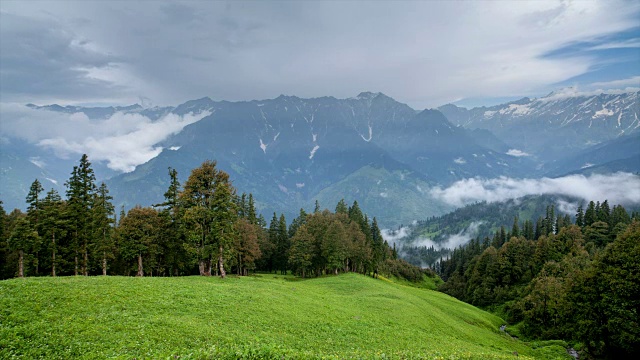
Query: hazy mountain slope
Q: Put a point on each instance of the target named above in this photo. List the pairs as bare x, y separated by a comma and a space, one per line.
620, 154
289, 151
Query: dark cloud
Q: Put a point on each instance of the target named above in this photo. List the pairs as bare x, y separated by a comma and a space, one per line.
42, 58
422, 53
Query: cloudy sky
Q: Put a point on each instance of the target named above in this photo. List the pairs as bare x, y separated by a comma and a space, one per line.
422, 53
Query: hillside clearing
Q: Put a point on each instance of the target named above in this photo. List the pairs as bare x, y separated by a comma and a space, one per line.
262, 316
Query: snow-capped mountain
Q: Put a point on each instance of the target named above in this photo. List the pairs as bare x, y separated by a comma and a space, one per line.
558, 123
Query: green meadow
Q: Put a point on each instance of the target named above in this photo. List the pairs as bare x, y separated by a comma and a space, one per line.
255, 317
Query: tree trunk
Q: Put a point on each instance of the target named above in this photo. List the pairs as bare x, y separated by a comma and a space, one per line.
104, 253
53, 254
85, 264
75, 270
223, 274
140, 271
303, 273
37, 262
21, 264
104, 263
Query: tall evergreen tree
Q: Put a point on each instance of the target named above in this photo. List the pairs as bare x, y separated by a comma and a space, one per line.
80, 191
53, 226
102, 216
342, 208
33, 211
580, 216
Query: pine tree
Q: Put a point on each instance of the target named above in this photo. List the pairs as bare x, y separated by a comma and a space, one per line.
103, 212
515, 229
172, 215
80, 190
377, 246
33, 199
282, 247
580, 216
33, 211
342, 208
604, 213
316, 209
53, 225
251, 215
590, 215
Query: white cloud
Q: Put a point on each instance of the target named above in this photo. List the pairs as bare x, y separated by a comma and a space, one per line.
451, 242
517, 153
394, 236
460, 160
629, 43
123, 140
573, 91
567, 207
619, 188
632, 82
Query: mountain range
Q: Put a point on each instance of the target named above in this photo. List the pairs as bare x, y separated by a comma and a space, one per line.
290, 151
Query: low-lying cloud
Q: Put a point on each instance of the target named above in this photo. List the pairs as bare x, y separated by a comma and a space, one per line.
618, 188
451, 242
122, 140
517, 153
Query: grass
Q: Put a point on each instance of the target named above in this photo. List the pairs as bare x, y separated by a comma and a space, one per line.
261, 317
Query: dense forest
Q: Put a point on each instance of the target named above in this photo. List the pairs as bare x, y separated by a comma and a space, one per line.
203, 227
558, 278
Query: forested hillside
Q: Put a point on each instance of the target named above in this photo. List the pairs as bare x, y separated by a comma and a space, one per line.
559, 279
203, 227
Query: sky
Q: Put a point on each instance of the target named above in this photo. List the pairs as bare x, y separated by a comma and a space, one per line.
423, 53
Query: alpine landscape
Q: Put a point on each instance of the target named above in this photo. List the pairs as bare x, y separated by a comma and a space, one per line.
161, 198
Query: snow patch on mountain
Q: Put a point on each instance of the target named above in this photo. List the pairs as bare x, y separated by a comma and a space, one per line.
313, 151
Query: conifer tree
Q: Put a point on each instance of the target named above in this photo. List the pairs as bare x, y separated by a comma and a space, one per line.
515, 229
33, 211
80, 190
103, 212
53, 225
580, 216
342, 208
33, 199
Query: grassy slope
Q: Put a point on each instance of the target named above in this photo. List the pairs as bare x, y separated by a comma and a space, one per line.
197, 317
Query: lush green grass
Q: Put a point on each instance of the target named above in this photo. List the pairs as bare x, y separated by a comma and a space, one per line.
263, 316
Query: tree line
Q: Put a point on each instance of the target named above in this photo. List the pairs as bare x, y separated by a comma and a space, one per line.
202, 227
560, 278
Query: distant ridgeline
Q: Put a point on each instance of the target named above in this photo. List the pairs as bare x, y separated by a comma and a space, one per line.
558, 278
203, 227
